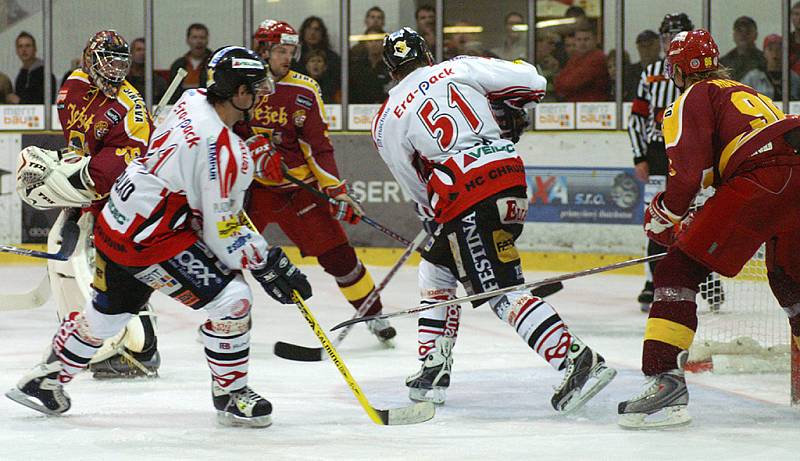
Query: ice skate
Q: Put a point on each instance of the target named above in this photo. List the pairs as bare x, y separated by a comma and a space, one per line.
586, 374
242, 407
382, 330
662, 403
122, 365
645, 298
40, 390
430, 383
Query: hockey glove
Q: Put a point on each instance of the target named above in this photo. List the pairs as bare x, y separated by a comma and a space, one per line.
267, 160
279, 277
347, 209
660, 224
49, 179
426, 215
512, 121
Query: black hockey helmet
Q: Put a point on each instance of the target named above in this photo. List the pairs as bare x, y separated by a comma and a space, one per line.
674, 23
405, 45
232, 66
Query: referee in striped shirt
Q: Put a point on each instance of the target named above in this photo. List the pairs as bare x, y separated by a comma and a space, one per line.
654, 94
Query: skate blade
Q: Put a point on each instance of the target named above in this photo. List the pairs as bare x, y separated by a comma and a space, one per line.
227, 419
436, 396
103, 375
26, 400
644, 307
668, 417
598, 380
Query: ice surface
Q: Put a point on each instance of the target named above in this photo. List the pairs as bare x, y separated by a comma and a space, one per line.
498, 405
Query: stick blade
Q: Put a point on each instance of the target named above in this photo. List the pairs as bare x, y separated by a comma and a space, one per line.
298, 353
412, 414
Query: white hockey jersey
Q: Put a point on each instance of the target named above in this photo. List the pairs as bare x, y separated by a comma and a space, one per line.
191, 185
438, 136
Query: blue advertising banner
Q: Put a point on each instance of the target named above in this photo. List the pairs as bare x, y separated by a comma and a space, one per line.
584, 195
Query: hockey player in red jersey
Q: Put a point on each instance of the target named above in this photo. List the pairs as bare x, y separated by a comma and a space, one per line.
106, 125
438, 134
174, 223
723, 134
294, 121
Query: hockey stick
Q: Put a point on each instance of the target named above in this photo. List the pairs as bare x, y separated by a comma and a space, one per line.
29, 300
412, 414
173, 85
375, 224
69, 239
500, 291
299, 353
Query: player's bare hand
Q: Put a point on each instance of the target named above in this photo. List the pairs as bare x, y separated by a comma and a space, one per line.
642, 172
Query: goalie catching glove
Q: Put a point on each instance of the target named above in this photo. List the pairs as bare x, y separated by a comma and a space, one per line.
279, 277
49, 179
661, 225
347, 209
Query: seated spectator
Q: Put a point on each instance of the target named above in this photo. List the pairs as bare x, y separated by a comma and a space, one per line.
316, 66
5, 87
194, 61
426, 24
769, 81
514, 44
29, 84
569, 46
373, 21
547, 65
136, 73
648, 46
369, 79
794, 39
314, 36
584, 77
745, 57
630, 75
464, 41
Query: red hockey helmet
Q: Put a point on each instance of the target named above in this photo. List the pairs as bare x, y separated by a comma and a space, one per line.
693, 51
271, 32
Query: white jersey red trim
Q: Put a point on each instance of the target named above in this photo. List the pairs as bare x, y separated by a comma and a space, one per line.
438, 136
190, 185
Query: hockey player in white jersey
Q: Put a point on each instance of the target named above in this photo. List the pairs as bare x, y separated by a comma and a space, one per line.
174, 223
447, 133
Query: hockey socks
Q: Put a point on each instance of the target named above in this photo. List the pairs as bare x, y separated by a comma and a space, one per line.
74, 346
433, 323
227, 347
537, 323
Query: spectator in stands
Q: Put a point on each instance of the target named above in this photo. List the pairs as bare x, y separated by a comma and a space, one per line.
194, 61
316, 66
581, 20
746, 56
463, 40
29, 84
5, 87
547, 65
369, 79
630, 75
314, 36
514, 44
584, 77
769, 81
794, 39
136, 73
426, 24
373, 21
648, 46
569, 46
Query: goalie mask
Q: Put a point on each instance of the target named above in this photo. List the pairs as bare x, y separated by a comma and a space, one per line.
107, 59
